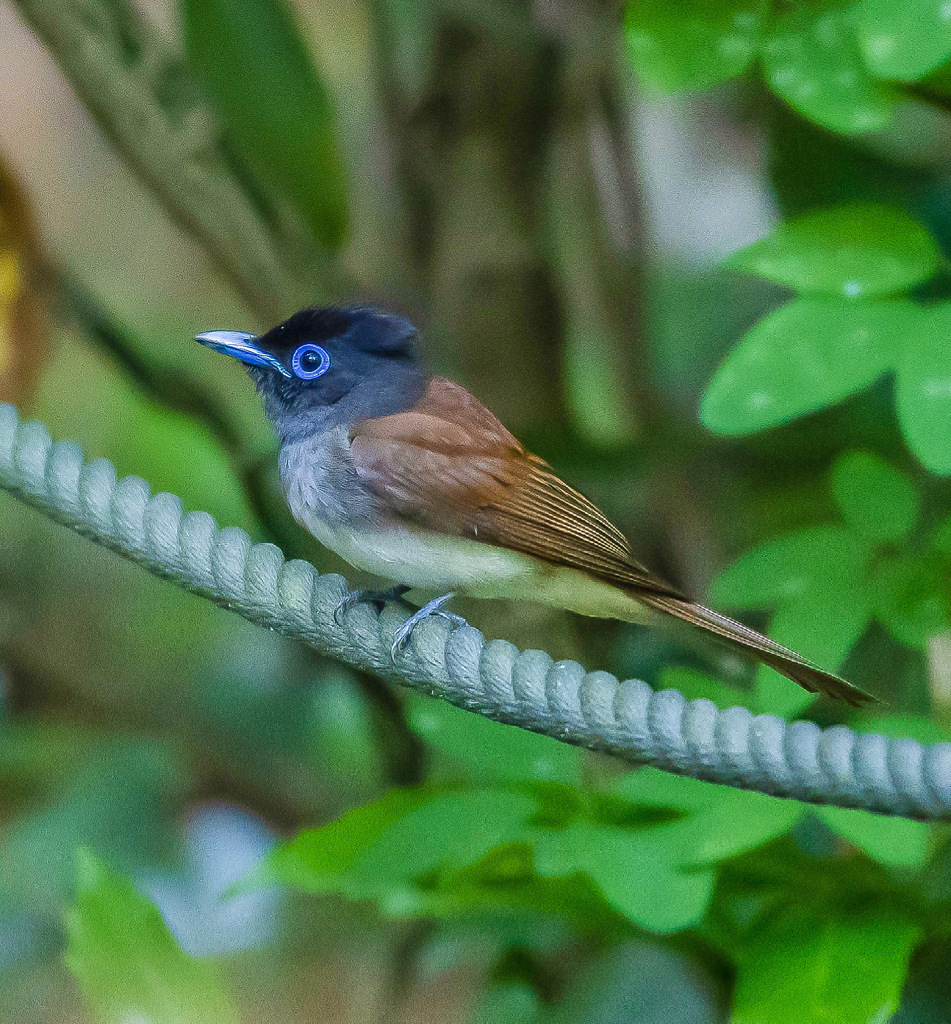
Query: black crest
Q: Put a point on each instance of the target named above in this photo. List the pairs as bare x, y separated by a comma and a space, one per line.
366, 328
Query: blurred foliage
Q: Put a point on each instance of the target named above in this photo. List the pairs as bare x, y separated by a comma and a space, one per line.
815, 351
126, 961
844, 65
853, 567
238, 50
200, 821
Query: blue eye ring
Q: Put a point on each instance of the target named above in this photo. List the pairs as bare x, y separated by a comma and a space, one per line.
310, 373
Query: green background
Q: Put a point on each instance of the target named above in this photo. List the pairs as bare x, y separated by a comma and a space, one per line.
695, 255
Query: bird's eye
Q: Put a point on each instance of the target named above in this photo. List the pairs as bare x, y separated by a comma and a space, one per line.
310, 361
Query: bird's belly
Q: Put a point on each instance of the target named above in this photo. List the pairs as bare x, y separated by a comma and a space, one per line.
428, 561
425, 560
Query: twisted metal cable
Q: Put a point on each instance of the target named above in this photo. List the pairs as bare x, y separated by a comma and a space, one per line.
524, 688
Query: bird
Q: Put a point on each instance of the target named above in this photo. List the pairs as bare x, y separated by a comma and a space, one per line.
408, 476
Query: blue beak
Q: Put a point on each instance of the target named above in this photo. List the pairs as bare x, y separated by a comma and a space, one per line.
242, 346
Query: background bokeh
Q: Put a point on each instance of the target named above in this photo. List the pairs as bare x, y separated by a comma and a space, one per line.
694, 254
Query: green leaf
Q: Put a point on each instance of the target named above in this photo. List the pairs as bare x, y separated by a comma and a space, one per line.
904, 726
380, 850
904, 41
810, 167
504, 888
923, 393
695, 43
876, 499
774, 694
805, 356
735, 823
739, 821
811, 58
823, 627
127, 963
651, 787
255, 69
940, 538
316, 859
720, 822
631, 869
818, 559
849, 970
490, 750
859, 249
509, 1003
909, 596
659, 875
694, 685
897, 842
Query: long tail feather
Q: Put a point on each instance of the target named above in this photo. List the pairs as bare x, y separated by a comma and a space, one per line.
790, 664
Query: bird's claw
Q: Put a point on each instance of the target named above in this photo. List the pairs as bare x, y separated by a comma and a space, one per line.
376, 597
402, 634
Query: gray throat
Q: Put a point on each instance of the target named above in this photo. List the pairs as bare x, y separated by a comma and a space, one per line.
376, 395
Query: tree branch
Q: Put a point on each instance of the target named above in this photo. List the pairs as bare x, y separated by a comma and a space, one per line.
140, 92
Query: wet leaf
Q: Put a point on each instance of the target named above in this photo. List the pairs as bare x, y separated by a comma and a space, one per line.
805, 356
812, 58
853, 250
693, 44
906, 40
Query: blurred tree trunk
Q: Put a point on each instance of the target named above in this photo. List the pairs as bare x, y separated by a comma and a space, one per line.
471, 127
597, 221
510, 127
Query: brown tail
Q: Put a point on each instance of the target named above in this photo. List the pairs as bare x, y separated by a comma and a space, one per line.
793, 666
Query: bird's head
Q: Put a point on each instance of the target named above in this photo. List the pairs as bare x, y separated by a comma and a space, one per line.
331, 365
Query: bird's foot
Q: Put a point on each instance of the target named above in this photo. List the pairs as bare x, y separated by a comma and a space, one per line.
375, 597
402, 635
